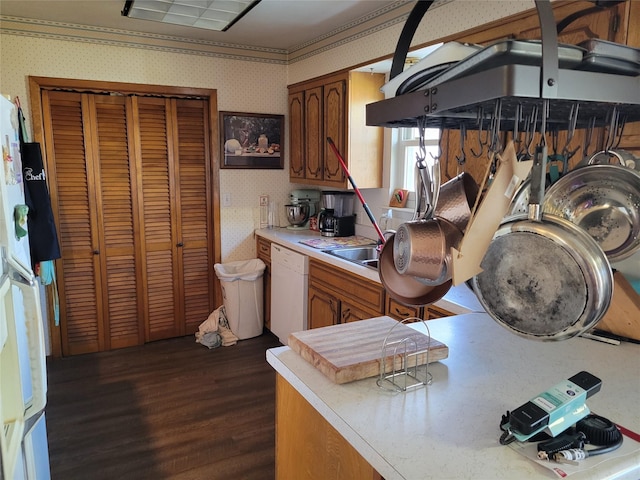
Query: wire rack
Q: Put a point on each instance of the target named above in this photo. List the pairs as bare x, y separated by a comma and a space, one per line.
404, 363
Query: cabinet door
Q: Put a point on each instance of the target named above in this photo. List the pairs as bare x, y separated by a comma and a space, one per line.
263, 247
335, 108
631, 133
296, 136
194, 227
349, 312
313, 134
323, 308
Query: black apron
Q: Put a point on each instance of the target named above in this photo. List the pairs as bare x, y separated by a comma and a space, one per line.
43, 237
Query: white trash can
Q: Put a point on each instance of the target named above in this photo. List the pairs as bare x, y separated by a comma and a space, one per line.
242, 294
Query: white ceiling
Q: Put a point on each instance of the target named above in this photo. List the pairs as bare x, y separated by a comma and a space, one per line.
279, 24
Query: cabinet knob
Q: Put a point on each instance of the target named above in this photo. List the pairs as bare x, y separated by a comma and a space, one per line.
179, 244
96, 252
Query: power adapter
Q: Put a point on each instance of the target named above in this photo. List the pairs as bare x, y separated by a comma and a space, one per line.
555, 409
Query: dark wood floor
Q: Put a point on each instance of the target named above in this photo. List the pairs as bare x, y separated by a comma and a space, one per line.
171, 409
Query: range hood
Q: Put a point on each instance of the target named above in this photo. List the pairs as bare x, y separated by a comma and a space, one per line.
460, 101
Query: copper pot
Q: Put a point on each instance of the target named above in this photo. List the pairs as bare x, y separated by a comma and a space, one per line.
406, 289
422, 248
456, 200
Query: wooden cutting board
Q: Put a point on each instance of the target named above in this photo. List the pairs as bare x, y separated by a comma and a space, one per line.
623, 316
353, 351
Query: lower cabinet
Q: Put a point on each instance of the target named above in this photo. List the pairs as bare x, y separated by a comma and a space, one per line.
432, 312
339, 296
263, 249
308, 447
400, 311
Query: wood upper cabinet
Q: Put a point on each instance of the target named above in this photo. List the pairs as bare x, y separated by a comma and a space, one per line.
129, 185
334, 106
297, 163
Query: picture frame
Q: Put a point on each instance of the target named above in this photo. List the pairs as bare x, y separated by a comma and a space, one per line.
399, 198
251, 140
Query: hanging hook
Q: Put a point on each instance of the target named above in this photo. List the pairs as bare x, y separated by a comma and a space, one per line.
543, 123
620, 131
481, 144
531, 133
613, 128
463, 137
421, 155
573, 120
554, 139
589, 136
437, 157
496, 119
516, 126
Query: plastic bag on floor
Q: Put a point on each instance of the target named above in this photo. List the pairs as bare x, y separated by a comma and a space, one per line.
215, 331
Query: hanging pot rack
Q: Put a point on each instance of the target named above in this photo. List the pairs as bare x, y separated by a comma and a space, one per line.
520, 88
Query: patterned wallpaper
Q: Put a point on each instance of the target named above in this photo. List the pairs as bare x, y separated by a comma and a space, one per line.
246, 81
242, 86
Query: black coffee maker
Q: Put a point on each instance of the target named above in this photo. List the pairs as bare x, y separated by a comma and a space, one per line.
336, 218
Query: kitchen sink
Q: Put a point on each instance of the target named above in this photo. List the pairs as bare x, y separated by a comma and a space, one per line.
366, 256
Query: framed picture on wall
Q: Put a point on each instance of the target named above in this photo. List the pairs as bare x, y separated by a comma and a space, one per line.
251, 140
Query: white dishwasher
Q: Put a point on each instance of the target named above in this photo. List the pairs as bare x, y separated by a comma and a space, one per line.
289, 281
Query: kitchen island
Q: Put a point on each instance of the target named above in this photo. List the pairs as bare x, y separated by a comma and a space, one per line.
450, 429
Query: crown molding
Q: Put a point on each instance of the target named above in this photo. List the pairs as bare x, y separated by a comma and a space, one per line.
378, 20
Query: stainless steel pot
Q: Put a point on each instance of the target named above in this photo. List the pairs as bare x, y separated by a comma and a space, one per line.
604, 200
543, 277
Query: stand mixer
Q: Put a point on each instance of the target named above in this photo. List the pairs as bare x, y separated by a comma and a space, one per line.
300, 200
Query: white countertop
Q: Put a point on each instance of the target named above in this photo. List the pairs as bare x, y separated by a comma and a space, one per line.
450, 429
458, 300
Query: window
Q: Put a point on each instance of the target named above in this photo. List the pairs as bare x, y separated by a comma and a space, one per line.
406, 146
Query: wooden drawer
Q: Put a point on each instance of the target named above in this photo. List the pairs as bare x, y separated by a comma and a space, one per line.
359, 291
263, 248
431, 312
400, 311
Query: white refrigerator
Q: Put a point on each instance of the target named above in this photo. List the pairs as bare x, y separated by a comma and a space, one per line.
24, 450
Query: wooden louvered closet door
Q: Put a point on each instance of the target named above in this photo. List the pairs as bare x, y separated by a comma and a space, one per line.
193, 226
88, 140
130, 191
177, 268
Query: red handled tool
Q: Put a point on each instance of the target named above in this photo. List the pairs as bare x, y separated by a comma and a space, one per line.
353, 184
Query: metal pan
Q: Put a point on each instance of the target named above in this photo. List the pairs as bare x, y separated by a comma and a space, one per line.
543, 277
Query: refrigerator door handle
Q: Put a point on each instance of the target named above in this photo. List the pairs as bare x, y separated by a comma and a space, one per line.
35, 338
20, 273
